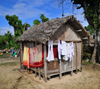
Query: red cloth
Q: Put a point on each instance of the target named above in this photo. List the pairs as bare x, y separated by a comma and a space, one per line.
32, 63
55, 51
40, 64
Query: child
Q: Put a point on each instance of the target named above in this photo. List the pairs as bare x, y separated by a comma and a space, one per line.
12, 51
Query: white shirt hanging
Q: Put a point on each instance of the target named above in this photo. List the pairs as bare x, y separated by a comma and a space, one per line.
61, 48
50, 51
71, 50
66, 57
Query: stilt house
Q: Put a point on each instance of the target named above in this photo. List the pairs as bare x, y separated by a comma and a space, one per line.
69, 30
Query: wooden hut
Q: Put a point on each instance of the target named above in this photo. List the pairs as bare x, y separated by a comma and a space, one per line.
69, 30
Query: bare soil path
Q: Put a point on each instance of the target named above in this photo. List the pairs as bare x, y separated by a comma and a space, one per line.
11, 78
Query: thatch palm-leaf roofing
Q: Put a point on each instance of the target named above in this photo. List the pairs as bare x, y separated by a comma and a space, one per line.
41, 33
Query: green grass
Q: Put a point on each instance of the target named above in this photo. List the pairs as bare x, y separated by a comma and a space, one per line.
9, 63
87, 63
8, 53
29, 82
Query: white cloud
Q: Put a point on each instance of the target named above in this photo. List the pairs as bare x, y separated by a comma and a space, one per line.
34, 3
82, 20
4, 30
25, 8
78, 14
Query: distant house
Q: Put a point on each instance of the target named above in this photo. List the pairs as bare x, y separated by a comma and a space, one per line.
69, 30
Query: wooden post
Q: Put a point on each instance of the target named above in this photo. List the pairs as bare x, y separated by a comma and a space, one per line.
72, 66
72, 69
98, 49
81, 54
60, 74
21, 56
39, 73
45, 64
76, 57
35, 72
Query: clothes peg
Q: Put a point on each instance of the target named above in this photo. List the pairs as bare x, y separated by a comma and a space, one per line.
60, 39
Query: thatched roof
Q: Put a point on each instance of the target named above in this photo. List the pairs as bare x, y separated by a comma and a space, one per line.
41, 33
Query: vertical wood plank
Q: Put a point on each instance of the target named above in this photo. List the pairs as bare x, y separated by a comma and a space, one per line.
35, 72
21, 56
76, 57
81, 54
45, 64
39, 73
72, 67
60, 74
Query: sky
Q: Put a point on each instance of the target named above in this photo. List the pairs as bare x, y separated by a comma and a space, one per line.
29, 10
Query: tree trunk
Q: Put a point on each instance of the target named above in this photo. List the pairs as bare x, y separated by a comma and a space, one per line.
98, 48
96, 52
99, 36
93, 58
14, 32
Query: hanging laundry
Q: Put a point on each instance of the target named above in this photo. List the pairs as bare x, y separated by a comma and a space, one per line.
66, 57
55, 51
26, 57
31, 56
35, 56
71, 50
50, 56
39, 53
61, 48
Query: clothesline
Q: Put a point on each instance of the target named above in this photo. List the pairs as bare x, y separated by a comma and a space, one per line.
64, 49
66, 42
34, 57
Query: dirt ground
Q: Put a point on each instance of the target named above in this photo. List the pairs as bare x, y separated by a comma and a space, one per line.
11, 78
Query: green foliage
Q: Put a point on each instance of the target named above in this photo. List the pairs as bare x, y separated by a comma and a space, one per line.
35, 22
90, 29
25, 26
87, 63
16, 46
8, 41
2, 42
19, 28
13, 20
43, 18
87, 53
8, 36
16, 23
90, 8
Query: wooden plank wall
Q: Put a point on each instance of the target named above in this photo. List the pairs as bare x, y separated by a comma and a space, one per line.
67, 35
74, 58
67, 65
45, 64
70, 34
53, 66
79, 54
59, 33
